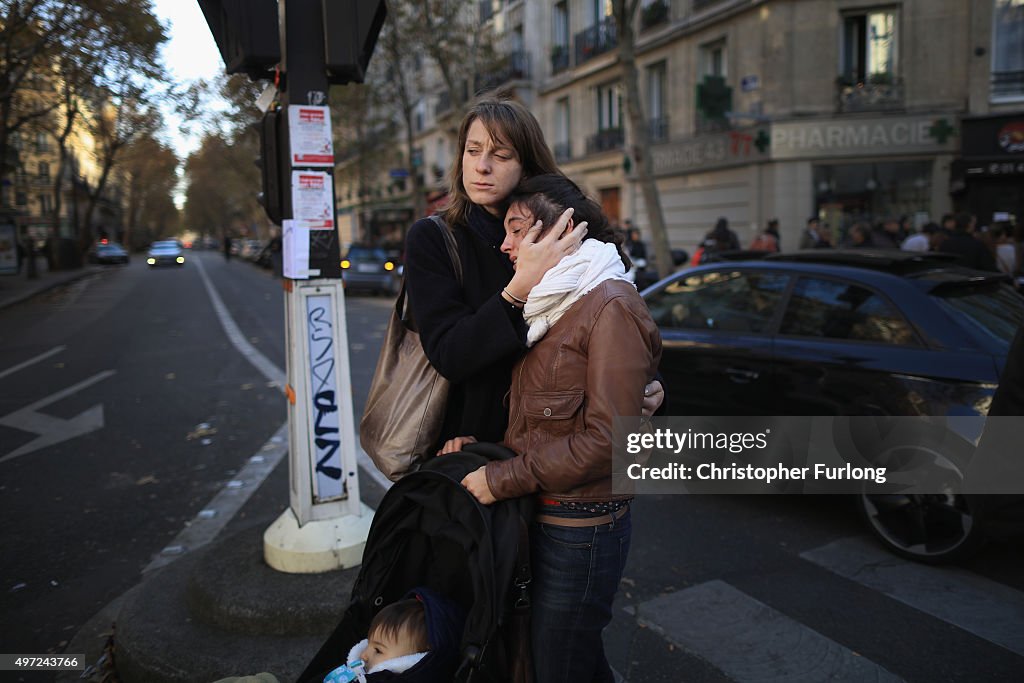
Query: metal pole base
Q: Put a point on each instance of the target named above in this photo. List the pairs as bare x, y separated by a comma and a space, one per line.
317, 546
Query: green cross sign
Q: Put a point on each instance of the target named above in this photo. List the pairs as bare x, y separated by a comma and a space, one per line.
941, 131
762, 141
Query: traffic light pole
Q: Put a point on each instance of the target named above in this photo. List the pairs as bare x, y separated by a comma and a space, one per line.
326, 524
306, 45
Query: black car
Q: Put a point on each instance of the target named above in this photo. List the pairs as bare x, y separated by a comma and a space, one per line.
370, 269
842, 332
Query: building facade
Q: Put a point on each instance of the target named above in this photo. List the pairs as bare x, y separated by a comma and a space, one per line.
845, 110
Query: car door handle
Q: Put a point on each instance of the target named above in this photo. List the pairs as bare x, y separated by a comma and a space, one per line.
742, 376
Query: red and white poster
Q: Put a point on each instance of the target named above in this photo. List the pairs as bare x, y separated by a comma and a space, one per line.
312, 200
310, 131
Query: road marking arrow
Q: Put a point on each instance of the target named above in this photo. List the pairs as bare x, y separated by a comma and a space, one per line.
53, 430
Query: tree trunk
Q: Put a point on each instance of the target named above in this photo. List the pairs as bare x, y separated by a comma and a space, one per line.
639, 136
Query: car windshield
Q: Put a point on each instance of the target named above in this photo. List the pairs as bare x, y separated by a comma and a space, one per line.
168, 244
993, 310
366, 254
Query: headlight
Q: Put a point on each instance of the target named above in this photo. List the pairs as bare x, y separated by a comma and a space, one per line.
389, 266
180, 259
345, 263
151, 261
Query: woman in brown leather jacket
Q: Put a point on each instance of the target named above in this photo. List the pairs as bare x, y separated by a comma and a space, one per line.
593, 348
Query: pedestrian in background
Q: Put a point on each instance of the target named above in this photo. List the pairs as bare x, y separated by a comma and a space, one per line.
886, 234
859, 236
767, 239
1005, 248
970, 252
721, 237
814, 237
920, 241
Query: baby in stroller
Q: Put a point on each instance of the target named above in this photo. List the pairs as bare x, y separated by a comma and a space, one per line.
400, 637
397, 641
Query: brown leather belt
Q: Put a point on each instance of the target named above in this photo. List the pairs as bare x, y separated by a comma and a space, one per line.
581, 521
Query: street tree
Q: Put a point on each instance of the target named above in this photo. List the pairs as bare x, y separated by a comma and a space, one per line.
118, 36
402, 83
38, 39
452, 35
625, 13
149, 172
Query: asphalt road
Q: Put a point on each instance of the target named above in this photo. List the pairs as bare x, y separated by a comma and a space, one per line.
151, 411
725, 588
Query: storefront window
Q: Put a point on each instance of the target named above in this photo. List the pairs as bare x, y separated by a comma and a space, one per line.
850, 193
1008, 49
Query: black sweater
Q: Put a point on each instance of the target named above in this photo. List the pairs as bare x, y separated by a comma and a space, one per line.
470, 334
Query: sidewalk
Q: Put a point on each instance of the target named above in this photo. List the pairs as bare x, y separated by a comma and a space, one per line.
17, 288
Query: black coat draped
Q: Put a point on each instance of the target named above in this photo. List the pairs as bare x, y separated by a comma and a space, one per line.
470, 334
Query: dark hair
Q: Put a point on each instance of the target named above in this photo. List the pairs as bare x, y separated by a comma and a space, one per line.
963, 221
813, 219
930, 228
403, 617
512, 124
548, 195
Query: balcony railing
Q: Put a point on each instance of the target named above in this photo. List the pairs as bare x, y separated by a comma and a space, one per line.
596, 40
559, 58
605, 140
514, 66
657, 129
878, 92
1007, 83
653, 14
563, 152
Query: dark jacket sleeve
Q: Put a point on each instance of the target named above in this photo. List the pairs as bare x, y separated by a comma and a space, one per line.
458, 340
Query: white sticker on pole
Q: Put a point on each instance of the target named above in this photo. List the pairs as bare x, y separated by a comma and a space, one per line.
295, 254
312, 200
324, 432
309, 130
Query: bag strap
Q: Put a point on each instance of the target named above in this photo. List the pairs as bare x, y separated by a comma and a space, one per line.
453, 248
404, 314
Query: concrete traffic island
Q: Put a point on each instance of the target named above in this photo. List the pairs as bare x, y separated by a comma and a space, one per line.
224, 612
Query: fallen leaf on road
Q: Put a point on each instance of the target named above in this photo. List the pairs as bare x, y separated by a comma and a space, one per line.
246, 387
203, 429
169, 375
148, 479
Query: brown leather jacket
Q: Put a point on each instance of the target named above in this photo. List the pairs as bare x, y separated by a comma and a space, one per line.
590, 367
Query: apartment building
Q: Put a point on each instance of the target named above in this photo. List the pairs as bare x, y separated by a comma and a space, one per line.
759, 109
33, 185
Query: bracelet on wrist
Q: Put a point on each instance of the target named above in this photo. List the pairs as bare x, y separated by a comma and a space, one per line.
513, 297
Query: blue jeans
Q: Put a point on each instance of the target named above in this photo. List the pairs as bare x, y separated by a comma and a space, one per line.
576, 573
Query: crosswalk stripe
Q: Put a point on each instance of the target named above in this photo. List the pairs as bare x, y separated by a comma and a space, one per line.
749, 641
970, 602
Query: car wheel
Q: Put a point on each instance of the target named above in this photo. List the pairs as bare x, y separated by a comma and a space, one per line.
928, 528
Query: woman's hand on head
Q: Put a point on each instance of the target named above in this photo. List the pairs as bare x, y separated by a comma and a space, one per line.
455, 445
476, 483
654, 396
537, 255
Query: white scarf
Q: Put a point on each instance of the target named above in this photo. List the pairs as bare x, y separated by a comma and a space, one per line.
562, 286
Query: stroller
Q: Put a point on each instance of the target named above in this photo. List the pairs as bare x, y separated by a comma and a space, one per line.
429, 531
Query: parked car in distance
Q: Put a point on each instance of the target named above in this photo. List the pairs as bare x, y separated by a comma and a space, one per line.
166, 253
839, 332
108, 252
370, 269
